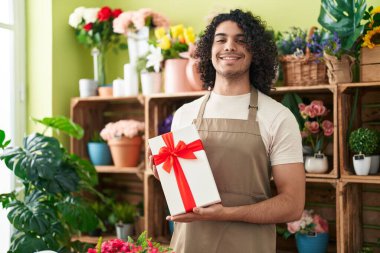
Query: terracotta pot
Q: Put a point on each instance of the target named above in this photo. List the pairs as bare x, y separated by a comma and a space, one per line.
125, 151
105, 91
193, 75
175, 76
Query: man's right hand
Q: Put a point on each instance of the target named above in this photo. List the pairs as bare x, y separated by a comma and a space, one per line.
151, 164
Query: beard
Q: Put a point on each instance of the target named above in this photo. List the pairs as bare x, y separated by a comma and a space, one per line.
232, 74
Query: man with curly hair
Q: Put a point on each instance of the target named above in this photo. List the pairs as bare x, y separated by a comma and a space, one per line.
248, 137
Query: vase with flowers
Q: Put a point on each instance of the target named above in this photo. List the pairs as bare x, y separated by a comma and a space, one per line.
149, 67
311, 232
93, 28
370, 47
173, 42
135, 25
315, 132
125, 140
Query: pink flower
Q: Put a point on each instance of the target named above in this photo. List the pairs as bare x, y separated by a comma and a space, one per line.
127, 128
123, 23
301, 107
304, 134
328, 127
294, 227
317, 108
321, 225
313, 127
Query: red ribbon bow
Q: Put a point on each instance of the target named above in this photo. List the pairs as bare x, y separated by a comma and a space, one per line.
169, 156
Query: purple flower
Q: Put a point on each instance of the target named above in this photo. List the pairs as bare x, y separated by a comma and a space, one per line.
165, 126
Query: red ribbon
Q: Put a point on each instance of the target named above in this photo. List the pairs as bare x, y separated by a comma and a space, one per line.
169, 156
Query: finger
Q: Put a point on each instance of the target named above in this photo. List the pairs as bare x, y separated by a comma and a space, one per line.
198, 210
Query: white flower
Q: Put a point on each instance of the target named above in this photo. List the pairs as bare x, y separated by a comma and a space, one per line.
154, 58
75, 20
90, 15
80, 11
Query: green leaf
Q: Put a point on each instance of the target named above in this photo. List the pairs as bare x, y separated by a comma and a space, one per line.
2, 139
85, 170
31, 217
7, 198
343, 17
40, 157
61, 123
23, 242
291, 101
78, 215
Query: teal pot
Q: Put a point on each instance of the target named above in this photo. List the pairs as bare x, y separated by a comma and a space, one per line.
312, 243
99, 153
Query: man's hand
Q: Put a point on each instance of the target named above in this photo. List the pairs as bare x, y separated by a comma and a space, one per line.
151, 164
215, 212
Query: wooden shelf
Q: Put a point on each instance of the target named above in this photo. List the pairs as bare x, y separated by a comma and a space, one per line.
311, 88
370, 179
114, 169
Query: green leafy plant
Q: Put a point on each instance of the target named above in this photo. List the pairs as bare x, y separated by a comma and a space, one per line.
343, 17
364, 141
50, 208
97, 138
123, 213
291, 101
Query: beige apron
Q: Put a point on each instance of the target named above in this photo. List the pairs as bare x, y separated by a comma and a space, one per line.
240, 166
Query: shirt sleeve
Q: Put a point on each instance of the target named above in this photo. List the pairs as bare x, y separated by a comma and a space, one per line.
286, 139
176, 123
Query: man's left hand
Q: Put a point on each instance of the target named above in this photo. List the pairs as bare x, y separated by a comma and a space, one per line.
214, 212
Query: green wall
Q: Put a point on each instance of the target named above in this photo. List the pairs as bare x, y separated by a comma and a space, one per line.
56, 61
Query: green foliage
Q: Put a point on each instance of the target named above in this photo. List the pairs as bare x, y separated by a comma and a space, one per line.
174, 50
123, 212
97, 138
291, 101
3, 142
343, 17
364, 140
50, 209
61, 123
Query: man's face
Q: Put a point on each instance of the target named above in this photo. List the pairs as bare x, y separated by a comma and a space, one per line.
230, 56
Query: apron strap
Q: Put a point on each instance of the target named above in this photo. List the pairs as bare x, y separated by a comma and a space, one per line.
203, 106
253, 105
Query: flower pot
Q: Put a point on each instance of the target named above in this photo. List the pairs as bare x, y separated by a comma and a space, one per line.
175, 76
193, 75
362, 164
316, 164
150, 82
87, 87
99, 153
374, 168
317, 243
339, 71
125, 151
123, 231
105, 91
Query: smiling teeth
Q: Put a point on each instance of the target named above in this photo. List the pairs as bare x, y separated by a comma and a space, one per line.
229, 58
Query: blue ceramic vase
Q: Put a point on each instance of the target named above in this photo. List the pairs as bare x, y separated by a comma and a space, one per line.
312, 243
99, 153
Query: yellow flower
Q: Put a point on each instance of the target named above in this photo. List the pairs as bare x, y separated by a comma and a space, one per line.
176, 31
164, 43
375, 10
189, 35
159, 32
372, 38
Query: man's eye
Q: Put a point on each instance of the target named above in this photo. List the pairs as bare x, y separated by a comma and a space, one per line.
242, 41
220, 40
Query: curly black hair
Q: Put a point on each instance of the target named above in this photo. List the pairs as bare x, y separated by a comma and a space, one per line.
264, 61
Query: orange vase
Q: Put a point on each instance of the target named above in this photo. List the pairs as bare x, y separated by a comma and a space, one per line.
125, 151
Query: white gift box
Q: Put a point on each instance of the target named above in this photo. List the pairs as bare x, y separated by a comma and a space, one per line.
197, 172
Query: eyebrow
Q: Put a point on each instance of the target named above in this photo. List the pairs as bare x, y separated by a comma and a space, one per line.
223, 34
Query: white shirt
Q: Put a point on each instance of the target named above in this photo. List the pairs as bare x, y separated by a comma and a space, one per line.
278, 126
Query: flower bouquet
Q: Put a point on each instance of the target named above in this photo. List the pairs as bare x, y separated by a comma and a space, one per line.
141, 245
311, 232
93, 28
124, 137
314, 132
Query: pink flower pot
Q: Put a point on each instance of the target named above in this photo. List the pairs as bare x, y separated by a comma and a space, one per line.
175, 76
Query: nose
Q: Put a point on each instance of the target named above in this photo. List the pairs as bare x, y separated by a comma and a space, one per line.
230, 45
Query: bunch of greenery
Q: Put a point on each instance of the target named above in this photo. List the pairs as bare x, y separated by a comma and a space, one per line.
50, 208
364, 141
123, 213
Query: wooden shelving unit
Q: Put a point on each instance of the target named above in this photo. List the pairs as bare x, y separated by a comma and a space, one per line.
345, 199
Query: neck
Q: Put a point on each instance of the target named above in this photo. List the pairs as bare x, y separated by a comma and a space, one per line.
232, 86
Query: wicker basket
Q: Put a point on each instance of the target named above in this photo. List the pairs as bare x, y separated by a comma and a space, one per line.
304, 70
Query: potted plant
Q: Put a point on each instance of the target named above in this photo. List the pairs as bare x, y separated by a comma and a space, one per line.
93, 29
172, 42
375, 158
98, 150
363, 142
142, 244
49, 209
149, 67
123, 216
124, 138
315, 132
311, 233
299, 57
